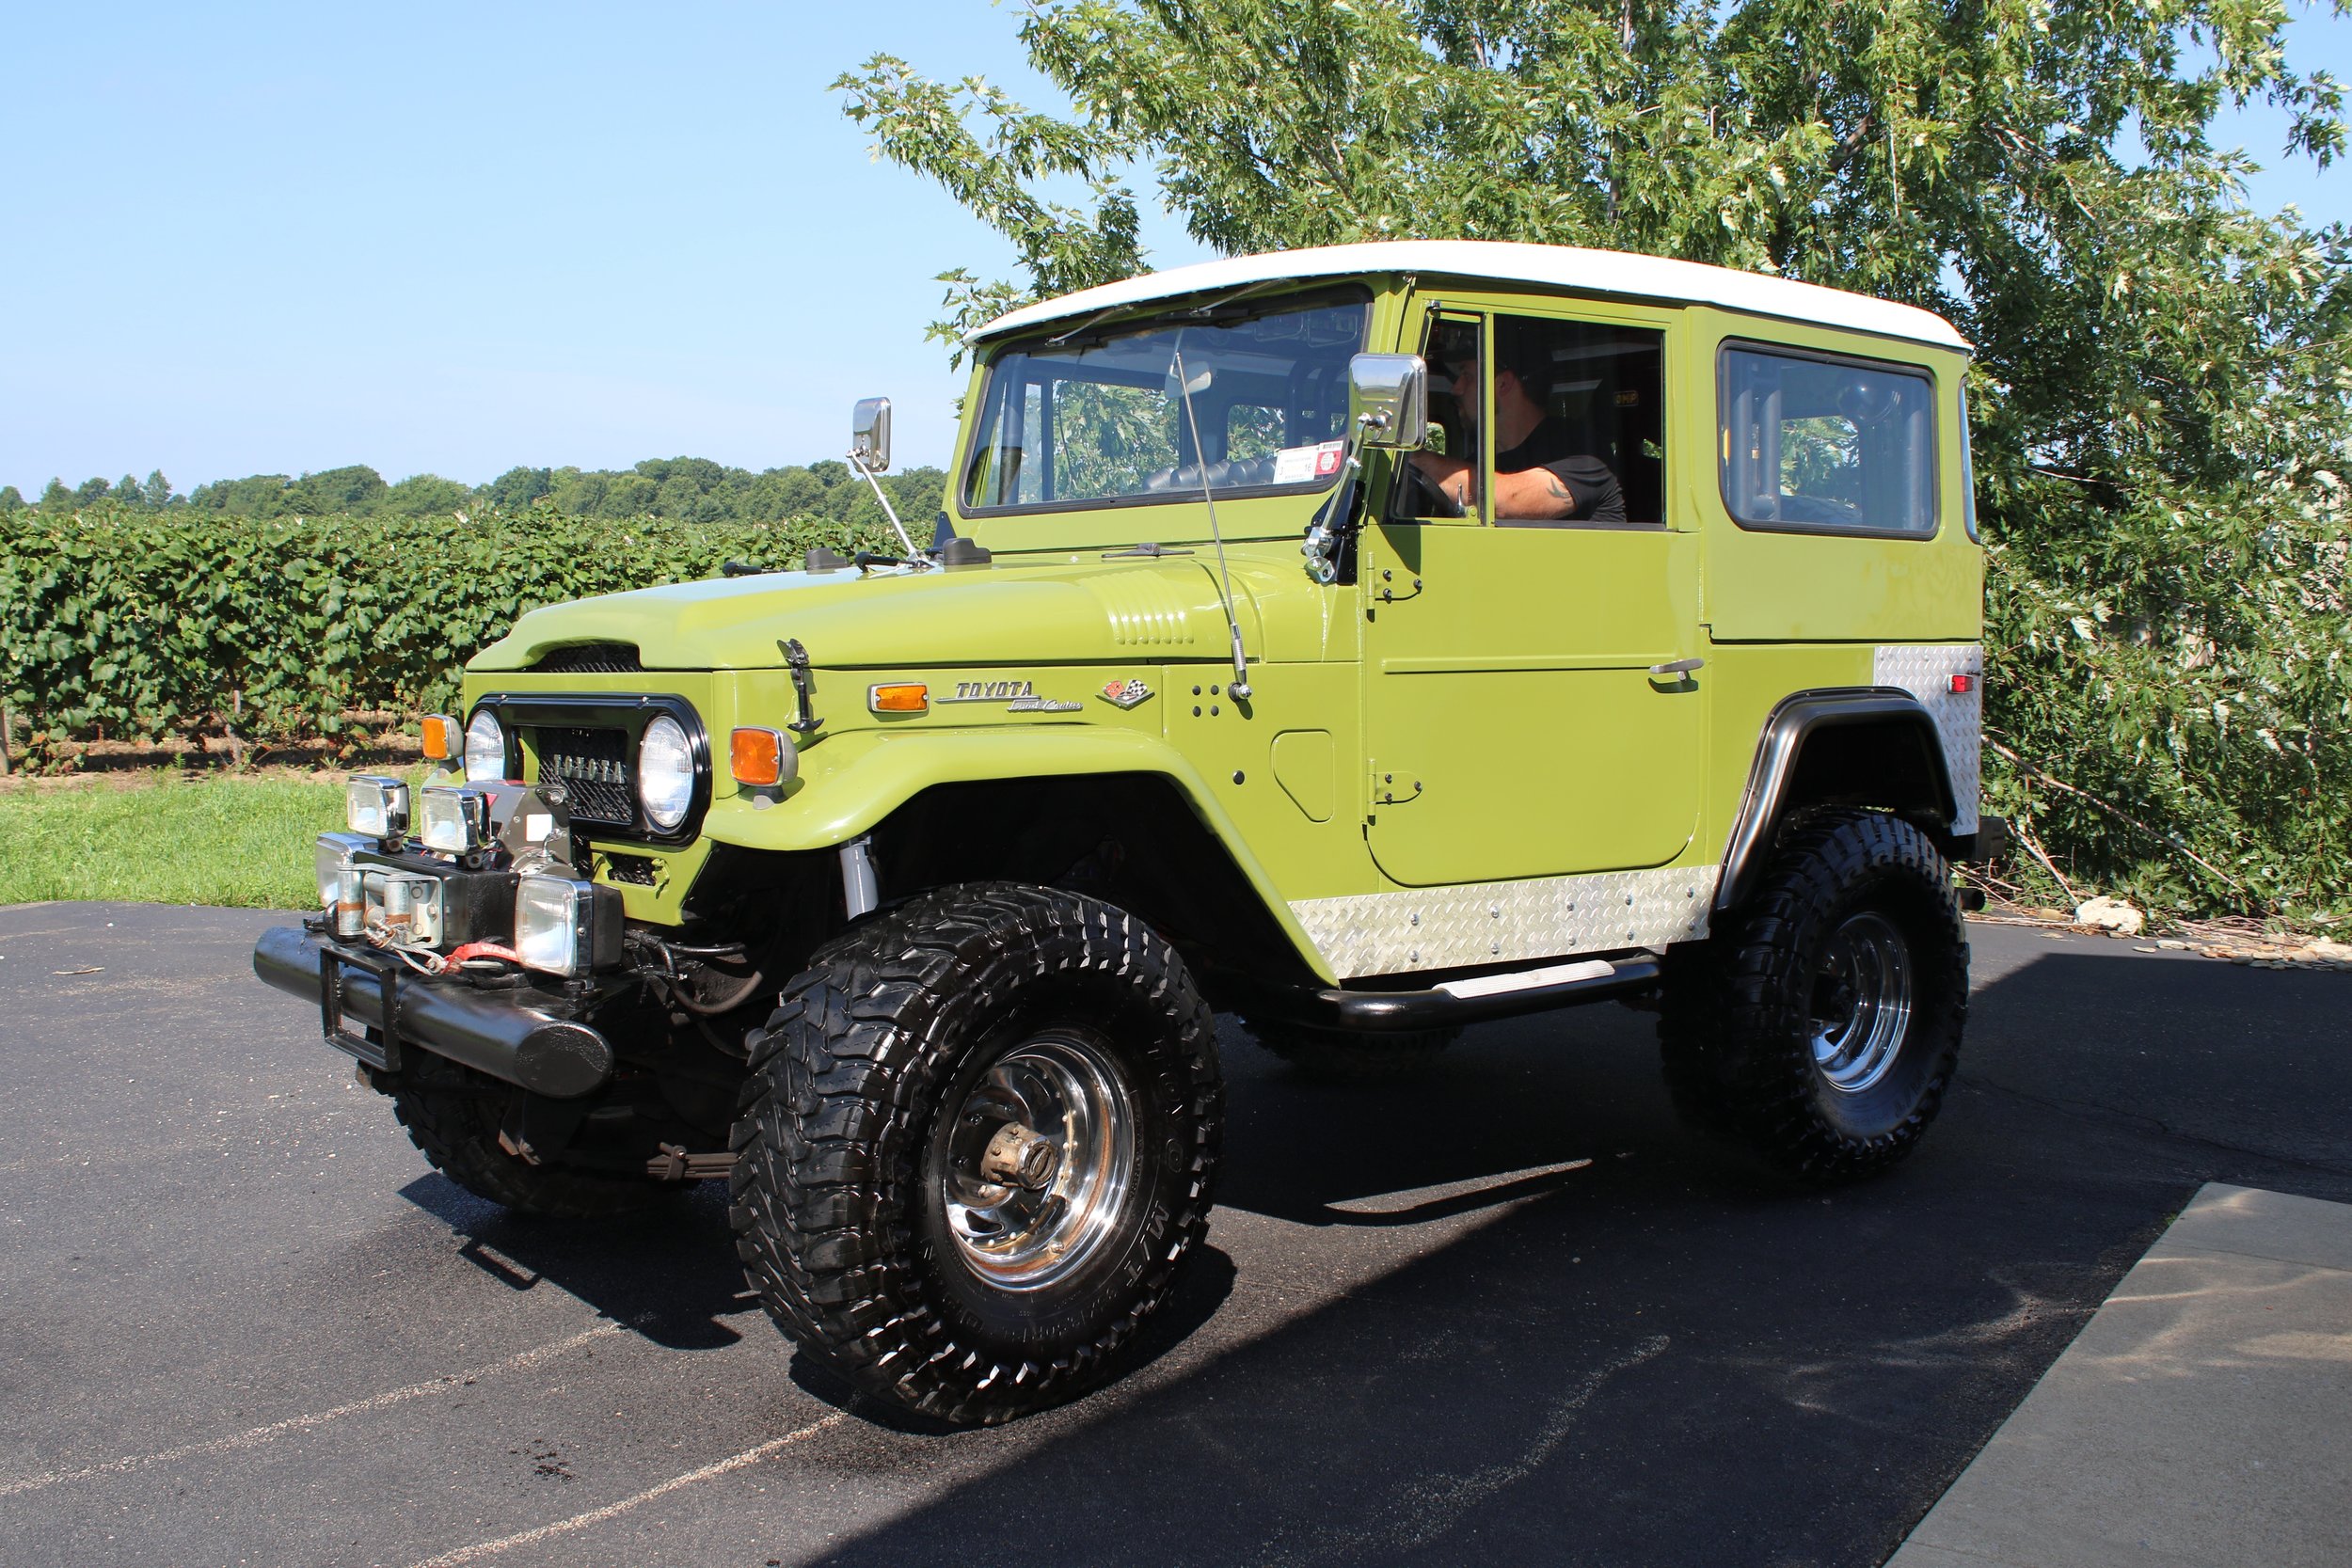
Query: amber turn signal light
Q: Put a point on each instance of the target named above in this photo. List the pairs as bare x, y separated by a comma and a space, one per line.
755, 757
440, 737
908, 697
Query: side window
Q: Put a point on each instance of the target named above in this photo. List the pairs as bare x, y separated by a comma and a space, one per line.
1579, 421
1440, 480
1816, 444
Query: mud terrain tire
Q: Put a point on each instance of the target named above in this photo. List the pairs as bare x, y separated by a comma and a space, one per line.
1820, 1024
860, 1217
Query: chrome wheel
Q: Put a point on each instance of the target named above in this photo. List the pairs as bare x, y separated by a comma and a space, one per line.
1861, 1002
1039, 1163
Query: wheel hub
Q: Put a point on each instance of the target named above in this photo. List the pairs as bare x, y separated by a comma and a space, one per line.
1039, 1163
1862, 1000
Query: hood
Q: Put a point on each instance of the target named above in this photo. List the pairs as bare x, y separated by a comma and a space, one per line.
1052, 611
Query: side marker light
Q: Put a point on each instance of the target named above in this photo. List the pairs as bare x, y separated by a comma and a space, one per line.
1963, 683
906, 697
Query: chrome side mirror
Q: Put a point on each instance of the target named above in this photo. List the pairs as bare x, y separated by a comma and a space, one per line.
1387, 400
870, 435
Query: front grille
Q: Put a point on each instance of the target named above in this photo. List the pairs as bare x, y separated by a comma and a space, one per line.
595, 768
590, 658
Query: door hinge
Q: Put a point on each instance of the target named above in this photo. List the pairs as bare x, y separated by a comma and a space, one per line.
1391, 788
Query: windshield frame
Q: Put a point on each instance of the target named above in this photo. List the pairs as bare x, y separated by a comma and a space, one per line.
1156, 315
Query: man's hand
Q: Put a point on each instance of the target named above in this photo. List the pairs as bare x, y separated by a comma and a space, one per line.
1454, 476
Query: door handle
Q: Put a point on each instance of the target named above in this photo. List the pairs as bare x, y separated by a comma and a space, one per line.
1679, 666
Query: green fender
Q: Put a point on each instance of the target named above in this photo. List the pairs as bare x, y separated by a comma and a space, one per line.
851, 783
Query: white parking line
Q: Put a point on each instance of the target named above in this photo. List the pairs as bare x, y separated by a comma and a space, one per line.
481, 1549
260, 1436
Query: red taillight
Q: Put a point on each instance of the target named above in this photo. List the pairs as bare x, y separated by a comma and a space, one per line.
1963, 683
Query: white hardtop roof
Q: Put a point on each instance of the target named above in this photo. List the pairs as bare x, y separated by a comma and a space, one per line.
1596, 272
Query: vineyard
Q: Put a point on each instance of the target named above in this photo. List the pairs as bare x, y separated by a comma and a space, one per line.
2194, 774
120, 625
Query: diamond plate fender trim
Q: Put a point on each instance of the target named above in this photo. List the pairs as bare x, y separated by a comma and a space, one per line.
1926, 670
1483, 922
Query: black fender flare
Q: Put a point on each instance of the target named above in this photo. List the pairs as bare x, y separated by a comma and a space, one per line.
1791, 722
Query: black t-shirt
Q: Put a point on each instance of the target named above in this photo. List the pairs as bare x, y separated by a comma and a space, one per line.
1586, 477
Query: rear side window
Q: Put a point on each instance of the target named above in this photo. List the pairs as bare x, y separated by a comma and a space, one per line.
1818, 445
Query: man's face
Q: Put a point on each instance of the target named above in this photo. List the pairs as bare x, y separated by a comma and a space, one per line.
1465, 388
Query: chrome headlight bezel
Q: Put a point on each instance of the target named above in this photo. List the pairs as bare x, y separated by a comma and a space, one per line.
566, 925
667, 775
454, 819
376, 807
333, 852
485, 759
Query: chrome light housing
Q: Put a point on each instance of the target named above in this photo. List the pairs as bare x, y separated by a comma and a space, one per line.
555, 919
333, 853
456, 819
665, 773
486, 748
376, 806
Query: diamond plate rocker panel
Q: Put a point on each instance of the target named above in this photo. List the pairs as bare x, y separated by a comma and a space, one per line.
1482, 923
1926, 672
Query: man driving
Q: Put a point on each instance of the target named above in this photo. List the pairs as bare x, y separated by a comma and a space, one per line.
1539, 475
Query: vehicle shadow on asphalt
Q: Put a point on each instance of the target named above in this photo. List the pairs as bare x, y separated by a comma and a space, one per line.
1658, 1357
669, 1274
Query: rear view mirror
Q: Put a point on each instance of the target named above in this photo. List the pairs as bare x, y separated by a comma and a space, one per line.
1387, 400
870, 435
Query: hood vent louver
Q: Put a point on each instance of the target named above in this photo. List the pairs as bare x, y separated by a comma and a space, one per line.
590, 658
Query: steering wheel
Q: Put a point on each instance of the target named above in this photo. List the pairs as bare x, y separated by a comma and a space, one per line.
1424, 496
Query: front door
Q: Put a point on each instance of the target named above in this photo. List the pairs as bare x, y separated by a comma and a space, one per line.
1518, 718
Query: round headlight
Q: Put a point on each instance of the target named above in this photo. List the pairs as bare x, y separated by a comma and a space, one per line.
665, 772
486, 749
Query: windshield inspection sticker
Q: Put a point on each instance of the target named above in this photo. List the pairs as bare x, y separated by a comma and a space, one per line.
1297, 465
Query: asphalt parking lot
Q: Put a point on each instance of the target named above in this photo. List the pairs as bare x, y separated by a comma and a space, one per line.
241, 1323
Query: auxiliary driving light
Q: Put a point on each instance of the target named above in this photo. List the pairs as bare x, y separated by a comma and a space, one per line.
555, 924
457, 818
334, 852
376, 806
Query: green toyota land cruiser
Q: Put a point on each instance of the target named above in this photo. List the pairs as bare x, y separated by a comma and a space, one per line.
1364, 641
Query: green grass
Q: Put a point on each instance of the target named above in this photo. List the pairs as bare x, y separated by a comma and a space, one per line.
167, 840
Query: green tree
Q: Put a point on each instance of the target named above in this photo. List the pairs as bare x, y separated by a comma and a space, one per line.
355, 491
425, 496
11, 499
2162, 401
156, 492
516, 488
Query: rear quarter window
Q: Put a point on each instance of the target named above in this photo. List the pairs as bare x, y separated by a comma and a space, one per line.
1824, 444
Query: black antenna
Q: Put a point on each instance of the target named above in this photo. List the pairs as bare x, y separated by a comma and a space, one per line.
1240, 686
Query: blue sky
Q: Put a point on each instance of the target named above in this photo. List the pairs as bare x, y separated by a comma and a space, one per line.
453, 239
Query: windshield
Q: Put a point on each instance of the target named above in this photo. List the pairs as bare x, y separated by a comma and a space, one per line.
1100, 417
